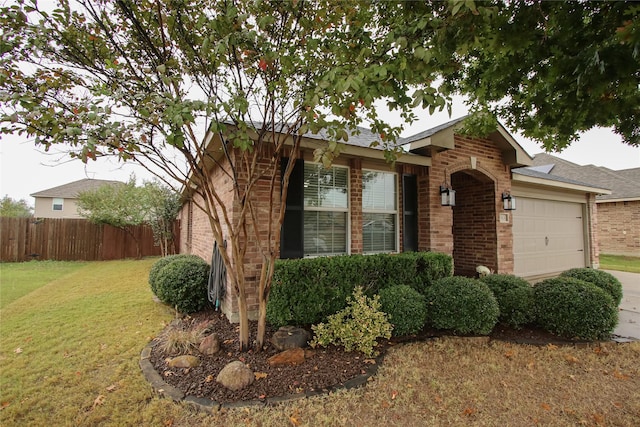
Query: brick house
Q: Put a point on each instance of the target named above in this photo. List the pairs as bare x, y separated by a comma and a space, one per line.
618, 212
362, 205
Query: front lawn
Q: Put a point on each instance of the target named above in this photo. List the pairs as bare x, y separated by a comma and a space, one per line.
619, 262
69, 355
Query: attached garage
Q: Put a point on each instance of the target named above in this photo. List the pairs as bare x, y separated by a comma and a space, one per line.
553, 224
548, 236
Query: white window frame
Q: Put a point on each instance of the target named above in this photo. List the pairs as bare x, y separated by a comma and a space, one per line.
346, 210
395, 212
60, 203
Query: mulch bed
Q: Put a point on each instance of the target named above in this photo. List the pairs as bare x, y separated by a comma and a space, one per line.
327, 368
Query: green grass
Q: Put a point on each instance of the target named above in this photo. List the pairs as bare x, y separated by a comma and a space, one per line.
19, 279
620, 263
69, 350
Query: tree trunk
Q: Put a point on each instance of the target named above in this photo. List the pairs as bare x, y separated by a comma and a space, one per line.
244, 321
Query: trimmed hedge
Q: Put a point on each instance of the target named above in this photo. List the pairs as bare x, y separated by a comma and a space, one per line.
574, 308
182, 284
463, 305
306, 291
159, 265
601, 279
514, 296
406, 309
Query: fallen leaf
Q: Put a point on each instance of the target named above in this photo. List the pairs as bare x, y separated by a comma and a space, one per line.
4, 405
571, 359
619, 375
260, 375
208, 379
98, 401
599, 419
294, 418
551, 347
17, 350
370, 361
168, 373
509, 354
617, 405
545, 406
531, 364
394, 394
469, 411
112, 387
262, 396
572, 377
437, 399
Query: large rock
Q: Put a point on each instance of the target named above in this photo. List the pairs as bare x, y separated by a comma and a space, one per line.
288, 337
236, 376
185, 361
210, 345
293, 356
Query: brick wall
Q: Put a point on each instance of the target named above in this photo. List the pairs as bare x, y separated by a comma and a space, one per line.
476, 170
619, 228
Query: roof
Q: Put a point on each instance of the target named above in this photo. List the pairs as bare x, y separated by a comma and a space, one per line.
624, 184
71, 190
429, 132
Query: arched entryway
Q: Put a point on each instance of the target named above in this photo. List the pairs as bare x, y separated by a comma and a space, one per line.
474, 222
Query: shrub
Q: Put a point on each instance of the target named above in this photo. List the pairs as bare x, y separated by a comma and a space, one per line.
514, 296
306, 291
159, 265
356, 327
182, 284
601, 279
463, 305
574, 308
405, 307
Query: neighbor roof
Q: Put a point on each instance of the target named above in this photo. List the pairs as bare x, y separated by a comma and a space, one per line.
71, 190
624, 184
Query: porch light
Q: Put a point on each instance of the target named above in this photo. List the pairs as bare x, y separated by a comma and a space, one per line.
508, 201
447, 196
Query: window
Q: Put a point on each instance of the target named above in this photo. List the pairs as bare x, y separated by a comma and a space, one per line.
379, 212
57, 204
326, 207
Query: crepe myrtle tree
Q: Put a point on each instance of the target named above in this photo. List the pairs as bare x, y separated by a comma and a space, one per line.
145, 81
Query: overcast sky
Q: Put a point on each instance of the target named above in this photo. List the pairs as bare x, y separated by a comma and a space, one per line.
27, 170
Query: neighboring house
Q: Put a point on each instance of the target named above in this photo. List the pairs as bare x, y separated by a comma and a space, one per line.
362, 205
61, 201
618, 212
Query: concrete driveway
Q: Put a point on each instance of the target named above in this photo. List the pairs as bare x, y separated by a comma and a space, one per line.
629, 316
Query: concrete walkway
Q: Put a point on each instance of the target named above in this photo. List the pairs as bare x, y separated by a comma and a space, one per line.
629, 316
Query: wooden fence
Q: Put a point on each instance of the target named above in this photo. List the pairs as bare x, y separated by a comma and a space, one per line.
24, 239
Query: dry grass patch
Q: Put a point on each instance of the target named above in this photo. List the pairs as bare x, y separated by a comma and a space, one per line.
458, 381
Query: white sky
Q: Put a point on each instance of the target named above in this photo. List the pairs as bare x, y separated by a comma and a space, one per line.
26, 169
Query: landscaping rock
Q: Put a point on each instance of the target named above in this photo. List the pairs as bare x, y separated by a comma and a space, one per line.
293, 356
185, 361
210, 345
235, 376
288, 337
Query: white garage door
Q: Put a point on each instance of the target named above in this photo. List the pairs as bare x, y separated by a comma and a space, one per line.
548, 237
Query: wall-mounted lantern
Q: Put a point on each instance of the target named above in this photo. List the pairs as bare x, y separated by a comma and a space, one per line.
447, 196
508, 201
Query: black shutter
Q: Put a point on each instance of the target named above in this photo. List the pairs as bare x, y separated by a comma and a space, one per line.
410, 213
292, 233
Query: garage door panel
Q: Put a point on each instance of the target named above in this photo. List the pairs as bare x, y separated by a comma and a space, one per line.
548, 236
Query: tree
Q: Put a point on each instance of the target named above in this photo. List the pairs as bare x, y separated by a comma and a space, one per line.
163, 205
123, 206
146, 81
15, 208
550, 69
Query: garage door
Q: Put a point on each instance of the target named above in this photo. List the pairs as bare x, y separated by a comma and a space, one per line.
548, 237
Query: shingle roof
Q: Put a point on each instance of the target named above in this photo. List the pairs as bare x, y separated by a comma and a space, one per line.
624, 184
427, 133
71, 190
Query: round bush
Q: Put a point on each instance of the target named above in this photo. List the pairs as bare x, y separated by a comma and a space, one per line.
406, 309
574, 308
514, 296
601, 279
159, 265
461, 304
182, 284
